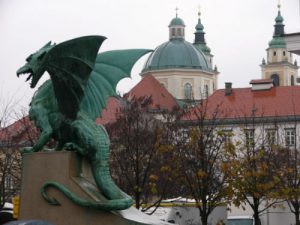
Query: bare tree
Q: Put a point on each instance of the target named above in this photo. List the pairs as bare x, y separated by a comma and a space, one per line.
200, 151
139, 154
16, 131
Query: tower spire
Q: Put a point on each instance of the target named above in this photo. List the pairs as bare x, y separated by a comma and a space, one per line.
279, 26
200, 42
278, 39
199, 33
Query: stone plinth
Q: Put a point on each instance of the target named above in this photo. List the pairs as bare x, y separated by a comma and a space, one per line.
68, 169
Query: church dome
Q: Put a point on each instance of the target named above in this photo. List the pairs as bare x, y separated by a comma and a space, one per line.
176, 54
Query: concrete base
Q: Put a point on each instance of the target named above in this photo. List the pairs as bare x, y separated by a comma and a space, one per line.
73, 172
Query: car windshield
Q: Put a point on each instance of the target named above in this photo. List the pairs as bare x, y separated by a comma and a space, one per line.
239, 222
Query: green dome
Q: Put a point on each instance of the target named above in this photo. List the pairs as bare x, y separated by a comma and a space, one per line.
176, 22
175, 54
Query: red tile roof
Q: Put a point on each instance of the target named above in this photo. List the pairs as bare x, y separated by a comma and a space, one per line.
149, 86
19, 134
110, 113
278, 101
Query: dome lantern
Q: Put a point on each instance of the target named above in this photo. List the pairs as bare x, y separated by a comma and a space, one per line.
176, 28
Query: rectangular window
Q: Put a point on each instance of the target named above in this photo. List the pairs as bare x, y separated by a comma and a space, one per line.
227, 135
178, 32
173, 32
271, 136
290, 137
249, 137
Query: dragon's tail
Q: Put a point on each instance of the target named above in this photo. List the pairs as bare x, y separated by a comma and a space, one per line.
116, 204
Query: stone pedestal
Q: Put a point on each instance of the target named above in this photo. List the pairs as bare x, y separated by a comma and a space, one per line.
68, 169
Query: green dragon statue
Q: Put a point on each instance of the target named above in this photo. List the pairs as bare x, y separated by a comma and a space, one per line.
66, 106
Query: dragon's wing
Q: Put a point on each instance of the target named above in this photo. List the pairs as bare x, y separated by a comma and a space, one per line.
110, 68
69, 65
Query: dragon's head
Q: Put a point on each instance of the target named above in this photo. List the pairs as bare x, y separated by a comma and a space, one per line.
36, 65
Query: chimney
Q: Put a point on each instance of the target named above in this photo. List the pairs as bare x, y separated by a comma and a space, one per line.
228, 88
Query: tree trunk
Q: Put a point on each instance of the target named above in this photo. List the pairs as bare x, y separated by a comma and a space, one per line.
137, 201
203, 213
297, 217
256, 213
296, 213
256, 219
204, 218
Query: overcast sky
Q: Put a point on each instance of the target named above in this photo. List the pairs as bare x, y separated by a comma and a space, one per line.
237, 31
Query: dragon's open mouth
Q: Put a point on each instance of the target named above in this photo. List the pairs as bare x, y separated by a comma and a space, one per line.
25, 71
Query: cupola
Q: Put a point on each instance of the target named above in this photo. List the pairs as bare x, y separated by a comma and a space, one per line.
176, 28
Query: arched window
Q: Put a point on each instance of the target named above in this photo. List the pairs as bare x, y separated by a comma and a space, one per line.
292, 80
188, 91
274, 53
275, 79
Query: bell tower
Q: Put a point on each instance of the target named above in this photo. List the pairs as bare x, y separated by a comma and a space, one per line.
279, 65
